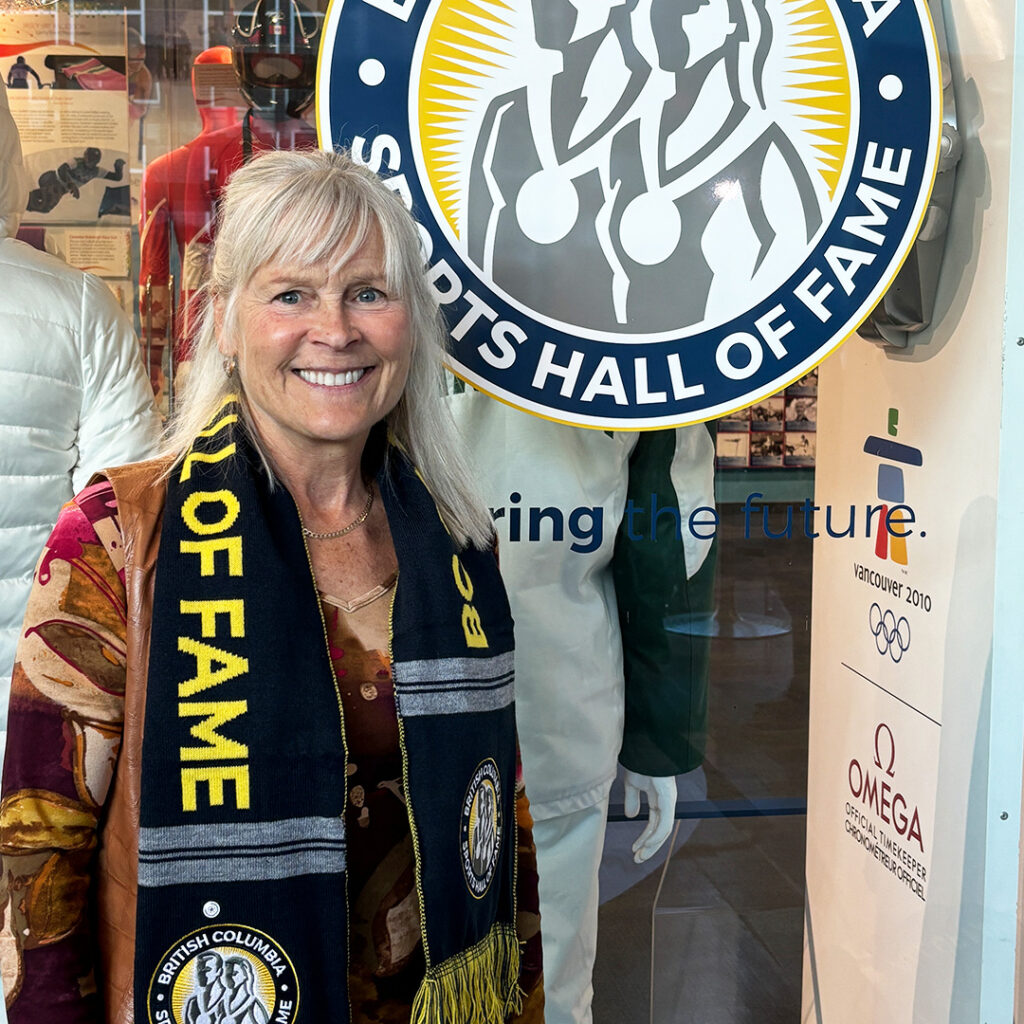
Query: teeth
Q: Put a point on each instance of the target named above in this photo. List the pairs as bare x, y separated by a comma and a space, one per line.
331, 380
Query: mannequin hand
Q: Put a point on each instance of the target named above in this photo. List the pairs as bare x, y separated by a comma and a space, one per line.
661, 806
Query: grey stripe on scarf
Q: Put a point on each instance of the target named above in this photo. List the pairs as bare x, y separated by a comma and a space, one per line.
450, 686
241, 851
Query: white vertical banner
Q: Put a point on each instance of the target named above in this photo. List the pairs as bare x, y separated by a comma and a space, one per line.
902, 616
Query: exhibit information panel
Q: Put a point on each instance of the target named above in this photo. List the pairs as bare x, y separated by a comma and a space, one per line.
901, 683
69, 88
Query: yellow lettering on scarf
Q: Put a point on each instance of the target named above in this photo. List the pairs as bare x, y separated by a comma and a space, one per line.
472, 628
214, 714
209, 457
206, 514
223, 422
194, 501
462, 580
208, 611
215, 776
206, 549
206, 656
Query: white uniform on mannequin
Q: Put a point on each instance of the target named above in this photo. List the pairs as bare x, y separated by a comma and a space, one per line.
559, 494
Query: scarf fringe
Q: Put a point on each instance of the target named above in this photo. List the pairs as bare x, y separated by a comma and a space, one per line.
477, 986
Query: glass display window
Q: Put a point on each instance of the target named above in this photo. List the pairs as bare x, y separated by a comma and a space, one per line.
665, 581
133, 119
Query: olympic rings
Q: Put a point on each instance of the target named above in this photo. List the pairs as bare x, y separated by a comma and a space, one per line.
892, 636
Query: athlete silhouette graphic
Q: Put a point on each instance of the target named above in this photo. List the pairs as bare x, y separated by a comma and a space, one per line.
647, 161
485, 839
202, 1006
539, 177
241, 1004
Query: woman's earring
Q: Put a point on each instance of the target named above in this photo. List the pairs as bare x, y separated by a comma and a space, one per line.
230, 365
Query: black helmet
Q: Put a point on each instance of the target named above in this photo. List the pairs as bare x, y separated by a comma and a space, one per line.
274, 53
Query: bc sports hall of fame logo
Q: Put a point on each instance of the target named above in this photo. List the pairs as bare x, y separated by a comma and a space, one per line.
482, 828
224, 974
644, 213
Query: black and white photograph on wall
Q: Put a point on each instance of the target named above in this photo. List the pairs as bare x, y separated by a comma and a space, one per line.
802, 413
767, 448
739, 420
767, 414
732, 451
800, 448
806, 385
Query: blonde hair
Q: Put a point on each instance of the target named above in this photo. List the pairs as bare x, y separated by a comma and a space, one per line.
308, 207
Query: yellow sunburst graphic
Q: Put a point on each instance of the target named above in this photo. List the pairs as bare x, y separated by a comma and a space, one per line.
468, 41
819, 84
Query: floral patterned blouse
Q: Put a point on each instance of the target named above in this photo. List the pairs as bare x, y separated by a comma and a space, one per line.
64, 734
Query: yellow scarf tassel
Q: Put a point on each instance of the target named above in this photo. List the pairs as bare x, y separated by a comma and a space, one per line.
477, 986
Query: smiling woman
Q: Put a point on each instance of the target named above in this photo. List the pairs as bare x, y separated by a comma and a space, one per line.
285, 299
324, 352
312, 704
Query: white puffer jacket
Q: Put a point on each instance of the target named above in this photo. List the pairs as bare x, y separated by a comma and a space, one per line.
74, 397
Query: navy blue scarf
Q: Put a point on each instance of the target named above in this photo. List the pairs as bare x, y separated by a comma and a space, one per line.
242, 906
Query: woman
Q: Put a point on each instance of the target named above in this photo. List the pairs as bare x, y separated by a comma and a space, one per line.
279, 749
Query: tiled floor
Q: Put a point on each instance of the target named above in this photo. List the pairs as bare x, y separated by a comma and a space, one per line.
727, 924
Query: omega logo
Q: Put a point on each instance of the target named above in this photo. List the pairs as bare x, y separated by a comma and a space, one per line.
882, 797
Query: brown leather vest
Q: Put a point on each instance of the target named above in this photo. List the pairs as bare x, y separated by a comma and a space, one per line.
140, 501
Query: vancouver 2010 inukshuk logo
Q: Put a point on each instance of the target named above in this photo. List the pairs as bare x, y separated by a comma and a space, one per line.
644, 213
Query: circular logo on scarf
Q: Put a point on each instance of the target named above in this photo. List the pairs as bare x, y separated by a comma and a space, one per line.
644, 213
481, 828
224, 973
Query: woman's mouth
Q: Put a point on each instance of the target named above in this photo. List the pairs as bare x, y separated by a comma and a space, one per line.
331, 380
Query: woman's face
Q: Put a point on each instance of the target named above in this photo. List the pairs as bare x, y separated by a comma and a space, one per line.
322, 355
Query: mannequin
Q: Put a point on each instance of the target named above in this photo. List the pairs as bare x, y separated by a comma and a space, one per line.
206, 174
274, 56
594, 572
167, 207
274, 59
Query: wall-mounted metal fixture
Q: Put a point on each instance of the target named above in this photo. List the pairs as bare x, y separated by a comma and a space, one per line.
906, 308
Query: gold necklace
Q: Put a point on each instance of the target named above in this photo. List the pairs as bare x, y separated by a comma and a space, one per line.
358, 521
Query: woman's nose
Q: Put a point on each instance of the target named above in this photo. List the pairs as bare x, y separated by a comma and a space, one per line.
335, 324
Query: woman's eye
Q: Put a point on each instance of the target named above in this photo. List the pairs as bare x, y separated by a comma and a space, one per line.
288, 298
367, 295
